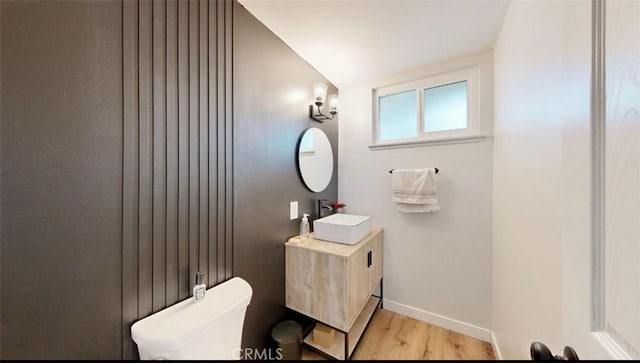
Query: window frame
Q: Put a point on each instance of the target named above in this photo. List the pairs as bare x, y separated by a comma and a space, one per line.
471, 133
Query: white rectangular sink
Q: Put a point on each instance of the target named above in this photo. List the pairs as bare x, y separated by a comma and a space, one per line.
342, 228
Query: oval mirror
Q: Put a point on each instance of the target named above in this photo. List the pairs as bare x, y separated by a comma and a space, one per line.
315, 159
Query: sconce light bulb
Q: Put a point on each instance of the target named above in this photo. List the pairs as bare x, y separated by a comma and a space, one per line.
319, 93
333, 104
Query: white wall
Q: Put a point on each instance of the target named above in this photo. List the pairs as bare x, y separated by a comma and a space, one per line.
541, 177
437, 267
622, 160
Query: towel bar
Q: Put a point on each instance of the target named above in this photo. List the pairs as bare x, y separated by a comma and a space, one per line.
391, 171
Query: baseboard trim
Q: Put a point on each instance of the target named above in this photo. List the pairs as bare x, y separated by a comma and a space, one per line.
496, 348
439, 320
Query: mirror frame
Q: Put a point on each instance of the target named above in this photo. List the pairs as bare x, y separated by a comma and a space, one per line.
299, 169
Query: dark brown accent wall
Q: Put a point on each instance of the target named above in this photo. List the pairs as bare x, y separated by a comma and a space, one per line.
271, 90
142, 142
61, 182
177, 186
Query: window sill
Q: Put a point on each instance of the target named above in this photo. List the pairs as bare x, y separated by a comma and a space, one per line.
428, 142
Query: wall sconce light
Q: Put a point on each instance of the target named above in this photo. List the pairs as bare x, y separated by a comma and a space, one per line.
319, 93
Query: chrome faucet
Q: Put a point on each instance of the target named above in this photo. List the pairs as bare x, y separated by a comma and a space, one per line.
322, 206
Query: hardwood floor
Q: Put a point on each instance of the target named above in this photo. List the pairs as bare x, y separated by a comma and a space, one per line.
392, 336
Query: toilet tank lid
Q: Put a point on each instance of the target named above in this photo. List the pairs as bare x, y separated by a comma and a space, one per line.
175, 326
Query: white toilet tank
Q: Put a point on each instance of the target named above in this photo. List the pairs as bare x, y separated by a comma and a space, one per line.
208, 329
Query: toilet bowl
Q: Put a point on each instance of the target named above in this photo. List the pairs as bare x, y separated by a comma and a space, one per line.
208, 329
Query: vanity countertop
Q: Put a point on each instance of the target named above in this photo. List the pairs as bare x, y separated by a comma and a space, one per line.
332, 248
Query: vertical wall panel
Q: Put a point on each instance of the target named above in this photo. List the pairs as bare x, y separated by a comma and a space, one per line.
183, 150
159, 156
213, 143
221, 140
203, 83
193, 138
177, 152
130, 174
228, 144
145, 209
172, 153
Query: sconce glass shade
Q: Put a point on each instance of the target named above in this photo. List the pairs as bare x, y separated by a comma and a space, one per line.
333, 104
319, 93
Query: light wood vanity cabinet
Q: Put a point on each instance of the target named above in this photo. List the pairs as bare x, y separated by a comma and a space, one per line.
333, 283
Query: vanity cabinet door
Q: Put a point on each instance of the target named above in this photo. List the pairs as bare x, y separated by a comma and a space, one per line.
358, 281
374, 248
316, 285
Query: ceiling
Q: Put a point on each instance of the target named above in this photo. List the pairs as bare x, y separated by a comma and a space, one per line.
350, 41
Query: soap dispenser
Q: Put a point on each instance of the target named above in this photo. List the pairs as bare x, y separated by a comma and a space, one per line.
304, 226
200, 288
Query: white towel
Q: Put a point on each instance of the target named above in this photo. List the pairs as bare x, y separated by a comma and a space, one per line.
415, 190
